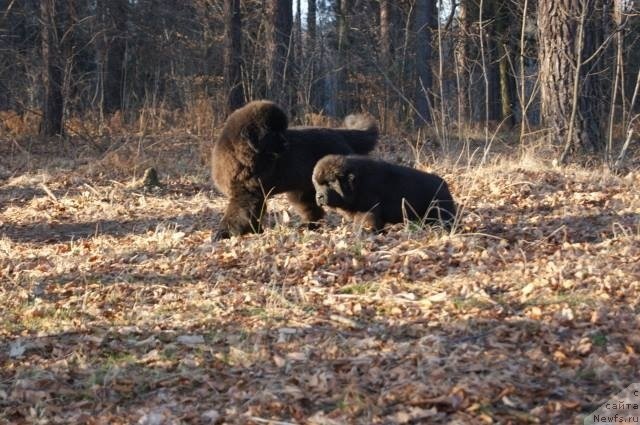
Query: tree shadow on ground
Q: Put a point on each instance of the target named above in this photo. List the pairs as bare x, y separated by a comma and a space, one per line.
44, 232
17, 196
364, 374
588, 228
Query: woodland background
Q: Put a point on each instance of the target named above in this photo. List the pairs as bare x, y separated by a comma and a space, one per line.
118, 308
567, 70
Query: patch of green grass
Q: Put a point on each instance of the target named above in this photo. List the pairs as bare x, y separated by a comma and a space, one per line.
530, 326
359, 289
119, 359
11, 324
467, 303
110, 362
572, 300
47, 318
170, 352
586, 375
356, 248
66, 313
310, 310
343, 404
412, 226
599, 340
142, 386
260, 312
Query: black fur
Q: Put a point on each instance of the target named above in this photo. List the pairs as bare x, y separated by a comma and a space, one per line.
377, 192
257, 156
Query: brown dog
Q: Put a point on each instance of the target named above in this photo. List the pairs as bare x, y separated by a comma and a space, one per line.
257, 156
377, 192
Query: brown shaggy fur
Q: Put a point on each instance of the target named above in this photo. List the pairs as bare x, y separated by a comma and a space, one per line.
257, 156
376, 192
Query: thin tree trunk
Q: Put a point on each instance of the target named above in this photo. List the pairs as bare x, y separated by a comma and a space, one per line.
9, 22
51, 18
462, 67
313, 58
280, 18
297, 83
493, 74
385, 34
385, 49
311, 24
110, 52
524, 120
233, 54
506, 87
502, 25
342, 71
298, 33
423, 60
618, 79
485, 72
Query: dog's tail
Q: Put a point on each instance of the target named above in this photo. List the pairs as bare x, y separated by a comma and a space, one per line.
364, 136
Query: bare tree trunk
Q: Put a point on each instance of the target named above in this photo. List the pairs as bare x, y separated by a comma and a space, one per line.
297, 78
280, 18
313, 58
311, 24
572, 72
52, 18
385, 34
617, 16
493, 66
68, 47
423, 20
342, 72
598, 74
233, 54
7, 18
298, 33
385, 50
503, 29
462, 64
110, 51
524, 120
506, 87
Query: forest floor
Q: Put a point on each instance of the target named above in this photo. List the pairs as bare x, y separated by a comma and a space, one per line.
117, 308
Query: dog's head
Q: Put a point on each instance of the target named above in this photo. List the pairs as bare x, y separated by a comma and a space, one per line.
335, 183
260, 124
265, 126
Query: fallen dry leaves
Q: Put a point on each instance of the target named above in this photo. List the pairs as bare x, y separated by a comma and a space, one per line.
118, 309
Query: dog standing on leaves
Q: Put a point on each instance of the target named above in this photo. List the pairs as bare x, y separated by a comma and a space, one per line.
257, 156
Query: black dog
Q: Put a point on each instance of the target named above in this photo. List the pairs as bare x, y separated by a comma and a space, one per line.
377, 192
257, 156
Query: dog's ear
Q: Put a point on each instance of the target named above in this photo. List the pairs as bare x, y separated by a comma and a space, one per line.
266, 118
254, 133
262, 139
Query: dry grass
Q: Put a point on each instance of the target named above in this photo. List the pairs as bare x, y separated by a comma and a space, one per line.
117, 308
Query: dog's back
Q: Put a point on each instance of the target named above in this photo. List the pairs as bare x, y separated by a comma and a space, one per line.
407, 192
399, 192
